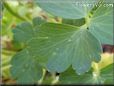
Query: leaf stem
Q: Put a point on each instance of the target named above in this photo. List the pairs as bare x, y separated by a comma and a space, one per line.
87, 22
43, 76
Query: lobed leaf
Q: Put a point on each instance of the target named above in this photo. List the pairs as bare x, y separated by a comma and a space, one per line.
25, 31
25, 68
70, 77
101, 25
59, 46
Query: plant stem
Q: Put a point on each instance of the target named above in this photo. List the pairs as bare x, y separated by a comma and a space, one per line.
41, 80
96, 68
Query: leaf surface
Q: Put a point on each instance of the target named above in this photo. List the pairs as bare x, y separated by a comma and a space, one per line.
66, 9
59, 45
101, 25
26, 31
70, 77
107, 74
25, 68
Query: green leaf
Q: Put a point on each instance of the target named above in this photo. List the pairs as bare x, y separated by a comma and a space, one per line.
89, 51
50, 41
59, 46
107, 74
26, 31
37, 21
101, 25
70, 77
23, 32
66, 9
25, 68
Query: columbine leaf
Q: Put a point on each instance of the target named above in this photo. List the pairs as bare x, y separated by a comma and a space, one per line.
70, 77
61, 44
89, 51
101, 24
25, 68
50, 44
65, 9
25, 31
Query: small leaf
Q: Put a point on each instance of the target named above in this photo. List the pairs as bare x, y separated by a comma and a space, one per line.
26, 31
25, 68
23, 32
70, 77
